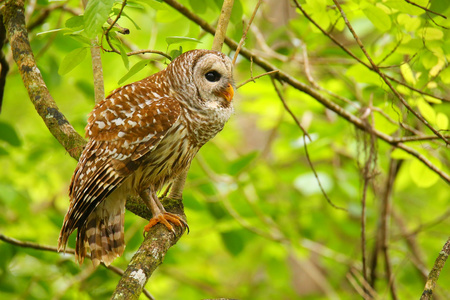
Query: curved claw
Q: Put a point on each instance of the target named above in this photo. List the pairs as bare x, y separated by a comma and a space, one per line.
164, 219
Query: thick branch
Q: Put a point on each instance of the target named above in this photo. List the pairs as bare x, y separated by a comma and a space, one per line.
435, 272
56, 122
150, 255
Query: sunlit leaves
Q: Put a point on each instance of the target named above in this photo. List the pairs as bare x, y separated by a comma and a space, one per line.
421, 175
427, 111
408, 22
407, 73
75, 23
442, 121
95, 15
378, 17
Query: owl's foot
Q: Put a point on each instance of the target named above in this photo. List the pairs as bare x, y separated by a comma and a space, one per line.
164, 218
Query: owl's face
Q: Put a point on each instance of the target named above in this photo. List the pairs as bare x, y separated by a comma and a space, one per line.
213, 79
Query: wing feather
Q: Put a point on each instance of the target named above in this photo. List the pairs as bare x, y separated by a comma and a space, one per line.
122, 129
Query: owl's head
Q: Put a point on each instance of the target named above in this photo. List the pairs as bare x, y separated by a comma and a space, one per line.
211, 77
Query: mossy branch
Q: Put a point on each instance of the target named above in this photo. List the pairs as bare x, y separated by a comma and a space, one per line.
54, 119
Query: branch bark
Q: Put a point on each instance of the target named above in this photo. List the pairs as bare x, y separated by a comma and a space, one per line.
435, 272
56, 122
150, 255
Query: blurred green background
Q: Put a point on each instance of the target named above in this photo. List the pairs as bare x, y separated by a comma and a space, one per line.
260, 226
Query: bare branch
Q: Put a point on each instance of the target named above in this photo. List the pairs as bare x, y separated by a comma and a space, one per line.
426, 9
305, 134
222, 25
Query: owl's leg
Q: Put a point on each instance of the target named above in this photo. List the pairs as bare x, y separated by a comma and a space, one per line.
160, 215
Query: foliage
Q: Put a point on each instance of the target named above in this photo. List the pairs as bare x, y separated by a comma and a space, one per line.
261, 227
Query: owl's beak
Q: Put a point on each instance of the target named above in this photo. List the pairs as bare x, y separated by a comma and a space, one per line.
228, 93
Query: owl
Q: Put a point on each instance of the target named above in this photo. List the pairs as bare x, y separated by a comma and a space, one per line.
141, 137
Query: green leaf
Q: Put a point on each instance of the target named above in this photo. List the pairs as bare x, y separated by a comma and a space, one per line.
404, 7
180, 39
134, 69
73, 59
116, 11
233, 241
378, 18
75, 23
400, 154
9, 135
96, 14
442, 121
421, 175
408, 22
431, 34
407, 73
176, 52
427, 111
80, 38
123, 54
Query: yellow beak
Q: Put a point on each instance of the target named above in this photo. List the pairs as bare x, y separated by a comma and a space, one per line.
228, 93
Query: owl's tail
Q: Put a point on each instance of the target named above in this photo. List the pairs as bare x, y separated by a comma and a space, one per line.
103, 234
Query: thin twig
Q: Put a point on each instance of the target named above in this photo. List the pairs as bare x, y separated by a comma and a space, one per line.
111, 25
305, 134
256, 77
119, 28
97, 68
383, 76
385, 221
426, 9
244, 34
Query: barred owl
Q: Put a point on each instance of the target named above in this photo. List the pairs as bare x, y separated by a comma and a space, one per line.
140, 138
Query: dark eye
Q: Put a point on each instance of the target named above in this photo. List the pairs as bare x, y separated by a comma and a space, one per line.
212, 76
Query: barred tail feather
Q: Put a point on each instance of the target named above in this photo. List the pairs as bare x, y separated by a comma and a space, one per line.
103, 233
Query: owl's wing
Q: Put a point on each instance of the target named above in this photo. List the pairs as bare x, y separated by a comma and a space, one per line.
122, 128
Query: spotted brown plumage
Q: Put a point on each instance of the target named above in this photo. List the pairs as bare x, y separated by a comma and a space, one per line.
140, 138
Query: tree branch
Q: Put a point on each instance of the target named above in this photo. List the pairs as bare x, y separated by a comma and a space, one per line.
36, 246
56, 122
435, 272
222, 25
150, 255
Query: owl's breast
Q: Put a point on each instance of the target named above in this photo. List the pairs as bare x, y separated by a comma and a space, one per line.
205, 124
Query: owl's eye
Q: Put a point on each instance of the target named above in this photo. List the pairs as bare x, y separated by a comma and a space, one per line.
212, 76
